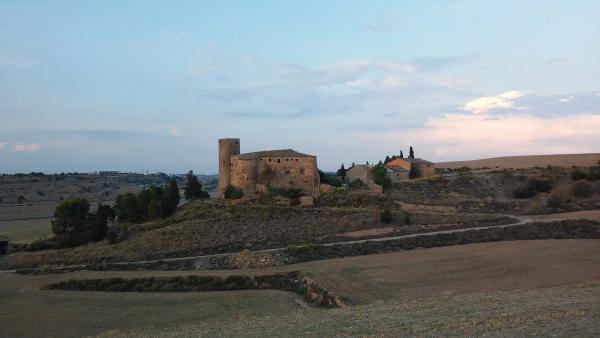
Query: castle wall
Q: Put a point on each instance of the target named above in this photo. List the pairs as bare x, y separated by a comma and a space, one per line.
292, 172
244, 174
228, 147
287, 172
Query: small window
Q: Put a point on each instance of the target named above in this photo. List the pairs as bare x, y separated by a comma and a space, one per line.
301, 171
305, 181
278, 160
269, 160
287, 159
287, 171
235, 142
296, 160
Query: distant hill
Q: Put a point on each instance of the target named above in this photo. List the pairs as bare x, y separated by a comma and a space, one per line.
516, 162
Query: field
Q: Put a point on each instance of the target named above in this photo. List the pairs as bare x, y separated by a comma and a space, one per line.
29, 222
506, 288
520, 162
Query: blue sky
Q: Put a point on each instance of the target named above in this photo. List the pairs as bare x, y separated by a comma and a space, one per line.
152, 85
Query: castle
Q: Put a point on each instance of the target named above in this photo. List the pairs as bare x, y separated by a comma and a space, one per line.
256, 172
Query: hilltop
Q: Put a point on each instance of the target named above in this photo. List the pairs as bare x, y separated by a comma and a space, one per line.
528, 161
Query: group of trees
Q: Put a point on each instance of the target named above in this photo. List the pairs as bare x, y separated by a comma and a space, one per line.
193, 189
74, 220
389, 159
151, 203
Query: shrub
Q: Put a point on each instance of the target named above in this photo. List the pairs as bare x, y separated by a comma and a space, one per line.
524, 192
577, 175
330, 179
582, 189
556, 202
358, 183
386, 217
233, 193
540, 184
594, 173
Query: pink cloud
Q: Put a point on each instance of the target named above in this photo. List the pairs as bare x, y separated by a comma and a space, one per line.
463, 136
27, 148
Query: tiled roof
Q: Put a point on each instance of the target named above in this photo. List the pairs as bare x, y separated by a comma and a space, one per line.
413, 160
273, 153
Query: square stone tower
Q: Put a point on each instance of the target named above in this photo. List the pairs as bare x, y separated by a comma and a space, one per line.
227, 147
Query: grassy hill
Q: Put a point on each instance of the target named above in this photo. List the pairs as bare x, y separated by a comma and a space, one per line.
519, 162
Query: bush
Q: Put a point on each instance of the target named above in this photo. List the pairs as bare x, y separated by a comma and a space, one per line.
380, 176
582, 189
540, 184
577, 175
594, 173
358, 183
556, 202
524, 192
386, 217
233, 193
330, 179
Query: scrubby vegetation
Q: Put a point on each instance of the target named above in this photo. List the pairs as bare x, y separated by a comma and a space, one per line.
330, 179
582, 189
380, 175
233, 193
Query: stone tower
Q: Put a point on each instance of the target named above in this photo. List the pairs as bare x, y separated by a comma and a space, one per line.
227, 148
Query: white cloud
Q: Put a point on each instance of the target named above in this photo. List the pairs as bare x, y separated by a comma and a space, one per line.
27, 148
567, 99
502, 101
18, 61
175, 131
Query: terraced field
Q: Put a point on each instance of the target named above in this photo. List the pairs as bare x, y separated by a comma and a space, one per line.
505, 288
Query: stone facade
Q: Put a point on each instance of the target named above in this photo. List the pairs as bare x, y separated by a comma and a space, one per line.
425, 168
253, 172
360, 172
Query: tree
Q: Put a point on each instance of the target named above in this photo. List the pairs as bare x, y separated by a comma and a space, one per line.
127, 208
380, 175
70, 216
411, 153
170, 199
379, 163
342, 172
414, 171
387, 159
193, 188
97, 223
401, 154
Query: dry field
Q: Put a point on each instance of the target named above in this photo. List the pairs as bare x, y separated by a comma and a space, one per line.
502, 288
519, 162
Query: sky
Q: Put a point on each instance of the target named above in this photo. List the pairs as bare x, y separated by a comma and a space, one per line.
152, 85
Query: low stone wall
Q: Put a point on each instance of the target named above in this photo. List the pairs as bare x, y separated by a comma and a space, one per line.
291, 281
567, 229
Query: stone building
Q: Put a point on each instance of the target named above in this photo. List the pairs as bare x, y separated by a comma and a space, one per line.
360, 172
256, 172
403, 165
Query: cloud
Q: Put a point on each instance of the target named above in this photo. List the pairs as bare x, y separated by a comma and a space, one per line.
18, 61
27, 148
567, 99
2, 145
513, 132
486, 103
175, 131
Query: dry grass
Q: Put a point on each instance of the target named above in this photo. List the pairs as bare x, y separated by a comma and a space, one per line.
504, 289
519, 162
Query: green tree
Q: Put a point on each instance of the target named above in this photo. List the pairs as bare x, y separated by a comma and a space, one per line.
401, 154
414, 171
70, 216
411, 153
127, 208
342, 172
380, 175
97, 223
170, 199
387, 159
193, 188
